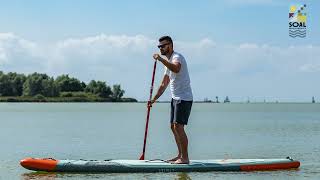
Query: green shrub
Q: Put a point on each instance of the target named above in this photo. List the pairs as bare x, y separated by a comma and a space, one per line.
66, 94
39, 98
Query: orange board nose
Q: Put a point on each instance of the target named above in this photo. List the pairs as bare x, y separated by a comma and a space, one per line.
39, 164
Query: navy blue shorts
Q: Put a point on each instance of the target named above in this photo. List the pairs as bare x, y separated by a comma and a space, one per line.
180, 111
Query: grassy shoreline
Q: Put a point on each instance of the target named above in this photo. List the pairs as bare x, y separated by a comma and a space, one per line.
62, 99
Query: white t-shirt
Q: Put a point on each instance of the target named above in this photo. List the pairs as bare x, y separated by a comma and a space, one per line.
179, 82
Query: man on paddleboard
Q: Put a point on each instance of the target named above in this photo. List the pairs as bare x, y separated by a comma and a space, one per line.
176, 74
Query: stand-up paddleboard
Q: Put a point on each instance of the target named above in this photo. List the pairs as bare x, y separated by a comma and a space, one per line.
127, 166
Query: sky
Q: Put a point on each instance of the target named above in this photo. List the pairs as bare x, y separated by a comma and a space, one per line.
235, 48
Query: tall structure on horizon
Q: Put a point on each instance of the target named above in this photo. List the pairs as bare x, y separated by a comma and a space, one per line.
217, 99
226, 100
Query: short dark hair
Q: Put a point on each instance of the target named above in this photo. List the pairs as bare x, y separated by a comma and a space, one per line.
168, 38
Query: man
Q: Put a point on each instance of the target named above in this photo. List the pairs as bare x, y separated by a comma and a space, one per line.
177, 75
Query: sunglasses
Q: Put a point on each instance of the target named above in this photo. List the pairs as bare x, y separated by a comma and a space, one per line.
162, 45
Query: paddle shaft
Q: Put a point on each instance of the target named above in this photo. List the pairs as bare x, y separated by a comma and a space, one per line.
148, 112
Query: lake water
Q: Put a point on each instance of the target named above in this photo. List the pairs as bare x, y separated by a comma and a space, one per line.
116, 130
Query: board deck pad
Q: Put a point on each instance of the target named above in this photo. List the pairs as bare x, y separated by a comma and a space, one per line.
127, 166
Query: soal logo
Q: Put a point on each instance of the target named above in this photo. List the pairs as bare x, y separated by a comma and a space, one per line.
298, 21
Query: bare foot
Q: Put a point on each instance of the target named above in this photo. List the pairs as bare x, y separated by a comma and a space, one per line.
181, 161
173, 159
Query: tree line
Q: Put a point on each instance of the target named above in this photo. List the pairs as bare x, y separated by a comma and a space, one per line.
37, 84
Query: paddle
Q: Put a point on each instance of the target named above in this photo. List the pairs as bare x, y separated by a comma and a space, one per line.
148, 112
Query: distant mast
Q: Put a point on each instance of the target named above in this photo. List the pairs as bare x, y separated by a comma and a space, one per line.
313, 101
217, 99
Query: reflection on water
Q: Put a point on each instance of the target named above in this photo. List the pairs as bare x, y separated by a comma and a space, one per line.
39, 175
183, 176
53, 176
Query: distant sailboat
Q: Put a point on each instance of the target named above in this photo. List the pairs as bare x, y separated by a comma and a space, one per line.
207, 100
226, 100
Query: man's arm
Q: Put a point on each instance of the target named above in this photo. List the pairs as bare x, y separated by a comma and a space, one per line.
162, 88
174, 66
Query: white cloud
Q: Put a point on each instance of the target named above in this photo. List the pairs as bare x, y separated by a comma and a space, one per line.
135, 44
310, 68
9, 41
128, 60
16, 52
3, 56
